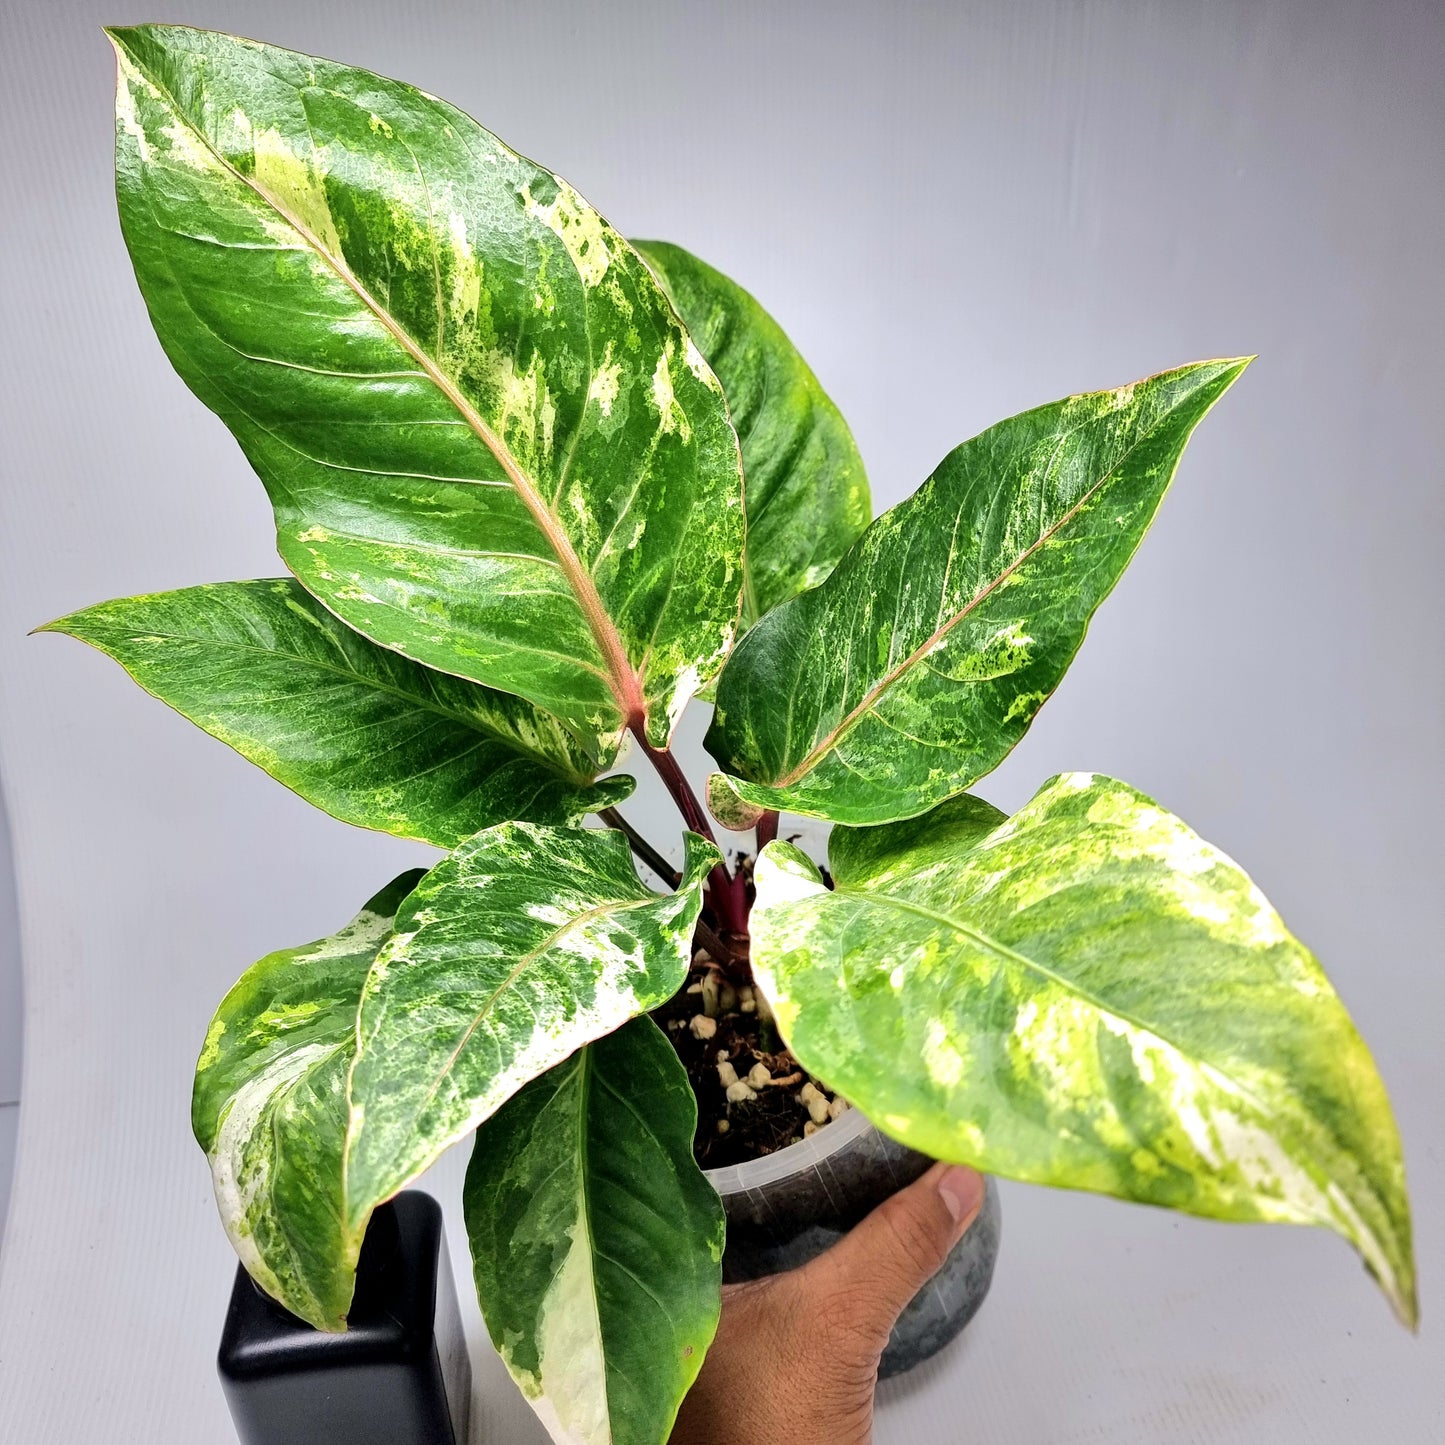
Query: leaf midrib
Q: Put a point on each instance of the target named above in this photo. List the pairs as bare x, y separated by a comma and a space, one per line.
623, 679
1075, 990
358, 680
522, 965
865, 705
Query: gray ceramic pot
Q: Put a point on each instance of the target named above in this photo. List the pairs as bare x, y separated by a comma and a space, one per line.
787, 1207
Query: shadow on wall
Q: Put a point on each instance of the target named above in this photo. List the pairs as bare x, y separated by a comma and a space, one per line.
11, 1019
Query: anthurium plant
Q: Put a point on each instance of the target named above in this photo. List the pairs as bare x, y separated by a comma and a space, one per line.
536, 487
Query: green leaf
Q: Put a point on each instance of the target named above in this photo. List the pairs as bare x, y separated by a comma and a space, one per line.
358, 730
269, 1108
596, 1241
915, 667
487, 438
523, 945
1086, 994
806, 491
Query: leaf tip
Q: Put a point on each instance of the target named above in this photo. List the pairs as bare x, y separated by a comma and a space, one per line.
701, 856
785, 874
612, 789
1404, 1297
116, 34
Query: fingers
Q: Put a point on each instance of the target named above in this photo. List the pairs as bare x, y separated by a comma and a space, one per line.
796, 1355
867, 1278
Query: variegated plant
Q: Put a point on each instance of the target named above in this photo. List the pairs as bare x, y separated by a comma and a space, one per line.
506, 453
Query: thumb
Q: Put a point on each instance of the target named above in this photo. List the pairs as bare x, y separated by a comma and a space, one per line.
880, 1264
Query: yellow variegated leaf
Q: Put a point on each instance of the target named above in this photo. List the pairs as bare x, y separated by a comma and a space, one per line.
1086, 994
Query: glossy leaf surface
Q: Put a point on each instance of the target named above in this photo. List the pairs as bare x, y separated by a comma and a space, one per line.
806, 490
1086, 994
596, 1240
523, 945
269, 1108
360, 731
488, 441
922, 659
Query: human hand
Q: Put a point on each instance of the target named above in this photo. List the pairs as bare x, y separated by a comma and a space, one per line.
796, 1354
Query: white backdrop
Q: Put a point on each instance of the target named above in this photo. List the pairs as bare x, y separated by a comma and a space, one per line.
958, 211
10, 1017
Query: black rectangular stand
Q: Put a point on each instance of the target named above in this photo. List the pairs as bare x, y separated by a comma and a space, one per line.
398, 1376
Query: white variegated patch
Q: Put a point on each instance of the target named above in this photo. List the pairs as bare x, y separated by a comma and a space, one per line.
581, 230
571, 1394
241, 1161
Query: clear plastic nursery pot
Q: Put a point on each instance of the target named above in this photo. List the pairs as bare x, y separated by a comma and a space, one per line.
785, 1208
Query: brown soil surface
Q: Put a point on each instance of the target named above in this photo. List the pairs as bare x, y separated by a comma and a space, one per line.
771, 1120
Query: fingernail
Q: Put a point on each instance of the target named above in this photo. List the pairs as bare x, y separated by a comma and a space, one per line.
961, 1190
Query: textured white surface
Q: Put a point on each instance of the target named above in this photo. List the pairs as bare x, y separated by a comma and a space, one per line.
10, 979
10, 1018
958, 210
9, 1129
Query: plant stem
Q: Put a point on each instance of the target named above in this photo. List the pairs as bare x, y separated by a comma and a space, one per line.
641, 846
721, 954
675, 780
725, 956
767, 829
729, 901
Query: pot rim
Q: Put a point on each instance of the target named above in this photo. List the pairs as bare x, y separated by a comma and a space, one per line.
797, 1158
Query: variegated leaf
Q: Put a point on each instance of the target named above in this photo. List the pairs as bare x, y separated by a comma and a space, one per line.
488, 440
597, 1242
269, 1108
1086, 994
523, 945
360, 731
915, 667
805, 489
